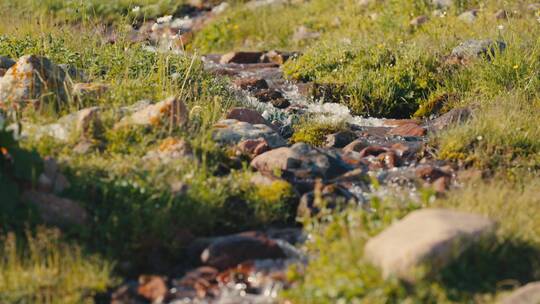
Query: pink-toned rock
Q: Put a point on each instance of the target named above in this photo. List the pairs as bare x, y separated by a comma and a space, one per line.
425, 241
409, 129
247, 115
253, 147
528, 294
251, 83
278, 159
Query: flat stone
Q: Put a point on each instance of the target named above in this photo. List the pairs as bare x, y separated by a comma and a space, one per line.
408, 130
528, 294
425, 241
232, 131
241, 57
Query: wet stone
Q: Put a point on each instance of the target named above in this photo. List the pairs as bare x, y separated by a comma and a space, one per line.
246, 115
229, 251
232, 131
408, 130
280, 103
251, 83
267, 95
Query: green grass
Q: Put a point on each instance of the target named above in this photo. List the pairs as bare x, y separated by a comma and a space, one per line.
384, 66
338, 272
40, 268
502, 134
118, 11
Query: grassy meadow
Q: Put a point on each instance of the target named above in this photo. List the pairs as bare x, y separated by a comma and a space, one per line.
379, 64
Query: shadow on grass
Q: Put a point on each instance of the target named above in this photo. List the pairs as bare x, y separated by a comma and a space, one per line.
492, 266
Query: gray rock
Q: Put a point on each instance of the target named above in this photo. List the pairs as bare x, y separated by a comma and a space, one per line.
425, 241
30, 78
528, 294
469, 16
232, 131
475, 48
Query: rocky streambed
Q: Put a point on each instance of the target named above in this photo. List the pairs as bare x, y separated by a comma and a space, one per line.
370, 157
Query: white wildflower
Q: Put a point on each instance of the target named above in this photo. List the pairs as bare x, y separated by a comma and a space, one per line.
136, 9
500, 27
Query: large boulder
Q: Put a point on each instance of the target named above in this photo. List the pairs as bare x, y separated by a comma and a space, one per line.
425, 241
528, 294
30, 78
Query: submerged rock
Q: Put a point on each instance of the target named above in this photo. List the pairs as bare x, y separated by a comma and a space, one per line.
425, 241
229, 251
